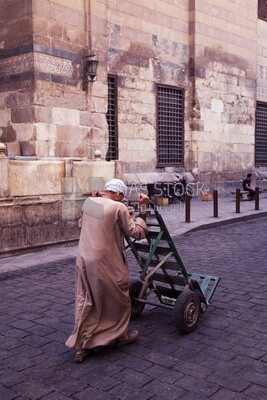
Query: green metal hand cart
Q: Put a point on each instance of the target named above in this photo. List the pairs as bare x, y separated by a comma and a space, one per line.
164, 277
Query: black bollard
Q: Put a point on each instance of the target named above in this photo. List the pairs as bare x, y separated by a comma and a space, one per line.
187, 208
215, 203
257, 198
237, 201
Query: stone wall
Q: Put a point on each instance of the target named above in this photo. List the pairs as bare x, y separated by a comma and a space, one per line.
221, 64
43, 105
40, 200
216, 51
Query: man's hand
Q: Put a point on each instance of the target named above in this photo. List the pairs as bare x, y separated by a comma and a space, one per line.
143, 200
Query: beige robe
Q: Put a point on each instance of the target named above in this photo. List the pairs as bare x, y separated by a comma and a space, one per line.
102, 303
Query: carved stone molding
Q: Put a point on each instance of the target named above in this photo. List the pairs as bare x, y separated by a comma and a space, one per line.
37, 62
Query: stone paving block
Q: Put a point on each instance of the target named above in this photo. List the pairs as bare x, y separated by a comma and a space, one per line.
194, 357
9, 343
21, 324
31, 389
164, 390
46, 321
246, 341
134, 378
160, 359
29, 351
68, 387
191, 396
253, 377
163, 374
57, 336
188, 368
137, 350
198, 386
91, 393
7, 394
224, 394
55, 396
35, 340
249, 352
126, 391
4, 328
134, 363
110, 368
256, 392
162, 347
18, 364
6, 319
42, 373
16, 333
41, 330
9, 377
222, 345
104, 382
220, 354
255, 365
213, 363
227, 381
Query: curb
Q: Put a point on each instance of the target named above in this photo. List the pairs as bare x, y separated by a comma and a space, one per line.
226, 222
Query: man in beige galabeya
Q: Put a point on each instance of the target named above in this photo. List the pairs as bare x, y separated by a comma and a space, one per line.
102, 302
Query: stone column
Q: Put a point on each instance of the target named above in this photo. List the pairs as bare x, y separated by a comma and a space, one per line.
4, 161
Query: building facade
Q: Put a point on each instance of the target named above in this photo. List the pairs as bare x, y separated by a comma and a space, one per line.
181, 87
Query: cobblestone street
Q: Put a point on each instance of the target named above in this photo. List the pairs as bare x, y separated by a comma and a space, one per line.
225, 358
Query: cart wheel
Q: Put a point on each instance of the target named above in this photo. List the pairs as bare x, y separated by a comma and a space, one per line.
136, 307
187, 311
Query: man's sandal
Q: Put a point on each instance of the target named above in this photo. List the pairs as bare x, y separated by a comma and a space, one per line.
81, 355
130, 338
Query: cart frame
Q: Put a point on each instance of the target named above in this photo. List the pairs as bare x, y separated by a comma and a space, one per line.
164, 274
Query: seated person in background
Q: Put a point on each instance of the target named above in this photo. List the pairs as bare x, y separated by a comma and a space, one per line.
247, 186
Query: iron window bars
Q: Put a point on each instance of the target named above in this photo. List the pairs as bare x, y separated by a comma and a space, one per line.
262, 9
170, 125
112, 119
261, 134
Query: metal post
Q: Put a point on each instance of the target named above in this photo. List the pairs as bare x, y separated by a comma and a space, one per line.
187, 208
257, 198
237, 201
215, 203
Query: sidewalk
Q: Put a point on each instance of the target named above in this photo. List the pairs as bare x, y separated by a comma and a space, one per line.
201, 217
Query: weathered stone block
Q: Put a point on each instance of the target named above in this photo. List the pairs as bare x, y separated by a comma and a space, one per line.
13, 149
5, 117
12, 238
61, 116
35, 177
83, 171
27, 148
4, 177
11, 214
42, 213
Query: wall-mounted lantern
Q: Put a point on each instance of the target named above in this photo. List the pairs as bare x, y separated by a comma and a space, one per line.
90, 69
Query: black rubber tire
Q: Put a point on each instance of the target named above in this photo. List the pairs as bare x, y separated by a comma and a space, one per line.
187, 311
136, 307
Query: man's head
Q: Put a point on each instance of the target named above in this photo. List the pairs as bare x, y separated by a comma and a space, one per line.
249, 176
117, 188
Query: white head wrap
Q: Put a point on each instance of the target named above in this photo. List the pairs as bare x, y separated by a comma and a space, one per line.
116, 185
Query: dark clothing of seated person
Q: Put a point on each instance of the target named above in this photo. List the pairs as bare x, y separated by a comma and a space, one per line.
247, 186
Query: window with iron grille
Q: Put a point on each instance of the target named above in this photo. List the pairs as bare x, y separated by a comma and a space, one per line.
112, 119
262, 9
261, 134
170, 125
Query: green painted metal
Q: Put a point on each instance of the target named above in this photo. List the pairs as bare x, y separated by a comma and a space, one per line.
204, 285
151, 254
